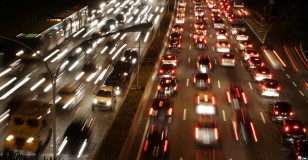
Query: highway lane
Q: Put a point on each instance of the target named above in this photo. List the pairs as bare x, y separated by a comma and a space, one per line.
103, 119
268, 143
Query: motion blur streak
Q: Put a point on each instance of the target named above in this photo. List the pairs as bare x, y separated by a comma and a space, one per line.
267, 55
8, 83
62, 146
52, 54
281, 61
253, 132
305, 63
115, 55
4, 115
15, 87
244, 97
235, 130
293, 64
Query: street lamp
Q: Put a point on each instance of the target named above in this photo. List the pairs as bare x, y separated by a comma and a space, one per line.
53, 76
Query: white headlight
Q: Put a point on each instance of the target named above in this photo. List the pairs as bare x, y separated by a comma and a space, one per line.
95, 101
29, 140
108, 103
9, 138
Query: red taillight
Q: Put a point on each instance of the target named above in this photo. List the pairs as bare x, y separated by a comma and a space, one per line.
198, 100
209, 80
216, 133
170, 111
291, 113
244, 97
276, 112
262, 64
173, 71
151, 111
197, 132
263, 87
213, 100
158, 87
194, 79
286, 129
166, 146
270, 76
304, 130
278, 88
146, 145
161, 71
163, 60
175, 88
179, 45
169, 45
228, 96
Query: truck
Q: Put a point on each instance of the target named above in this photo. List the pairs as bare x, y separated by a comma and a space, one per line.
29, 128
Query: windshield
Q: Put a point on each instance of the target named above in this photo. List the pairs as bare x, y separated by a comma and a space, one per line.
30, 122
104, 93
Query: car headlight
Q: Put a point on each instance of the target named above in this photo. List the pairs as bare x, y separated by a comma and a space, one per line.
78, 50
108, 103
9, 138
95, 101
117, 92
125, 74
30, 140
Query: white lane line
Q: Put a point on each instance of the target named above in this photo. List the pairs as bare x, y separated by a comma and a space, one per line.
250, 85
211, 35
143, 137
77, 110
190, 35
213, 48
190, 47
282, 69
242, 63
236, 50
288, 76
215, 61
187, 82
301, 93
181, 158
263, 119
189, 60
294, 84
190, 17
224, 115
218, 83
184, 115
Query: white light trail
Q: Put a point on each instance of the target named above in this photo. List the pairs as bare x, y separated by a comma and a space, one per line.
146, 37
37, 84
137, 37
77, 33
52, 54
115, 55
8, 83
25, 80
104, 49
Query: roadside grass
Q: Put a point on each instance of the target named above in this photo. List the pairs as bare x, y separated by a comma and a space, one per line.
115, 138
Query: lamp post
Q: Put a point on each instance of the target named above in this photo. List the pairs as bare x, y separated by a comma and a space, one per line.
53, 76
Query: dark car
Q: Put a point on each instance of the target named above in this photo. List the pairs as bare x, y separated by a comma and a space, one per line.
299, 150
166, 70
116, 80
254, 62
204, 64
124, 68
130, 55
177, 28
202, 80
77, 137
175, 36
121, 18
162, 108
175, 45
281, 110
291, 131
156, 144
235, 92
201, 43
168, 86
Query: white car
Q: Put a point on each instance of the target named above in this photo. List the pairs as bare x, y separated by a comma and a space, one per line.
205, 104
241, 36
221, 34
218, 23
211, 4
180, 13
206, 133
227, 59
260, 73
269, 88
215, 8
182, 3
170, 58
244, 44
199, 12
180, 20
198, 5
248, 52
222, 46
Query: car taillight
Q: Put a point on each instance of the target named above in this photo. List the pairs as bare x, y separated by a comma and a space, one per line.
197, 132
209, 80
304, 130
146, 145
278, 88
250, 63
198, 100
166, 146
213, 100
257, 74
291, 113
158, 87
163, 60
263, 87
286, 129
170, 111
229, 96
173, 71
169, 45
216, 133
161, 71
229, 45
194, 80
175, 88
210, 65
276, 112
262, 64
181, 29
270, 76
151, 111
179, 45
233, 61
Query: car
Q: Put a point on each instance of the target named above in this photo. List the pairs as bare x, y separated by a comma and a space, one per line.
222, 45
175, 45
197, 35
201, 18
205, 103
175, 36
121, 18
235, 27
167, 86
124, 68
254, 62
77, 136
112, 24
215, 8
201, 43
161, 108
269, 88
180, 19
116, 80
181, 8
221, 33
218, 23
170, 58
298, 150
198, 5
211, 4
242, 12
130, 55
199, 12
206, 133
166, 70
242, 45
260, 73
235, 19
105, 98
215, 15
89, 71
180, 13
238, 4
204, 64
202, 80
200, 24
250, 52
241, 36
227, 59
281, 110
202, 30
291, 130
235, 94
70, 95
156, 144
177, 28
182, 3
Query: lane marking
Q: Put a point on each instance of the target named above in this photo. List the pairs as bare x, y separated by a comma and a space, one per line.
242, 63
224, 115
190, 47
250, 85
236, 49
213, 48
263, 119
288, 76
218, 83
301, 93
294, 84
184, 115
283, 69
187, 82
215, 61
181, 158
77, 110
189, 60
211, 35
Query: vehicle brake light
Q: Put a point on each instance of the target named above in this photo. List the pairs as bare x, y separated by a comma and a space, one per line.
213, 100
209, 80
179, 45
270, 75
286, 129
291, 113
276, 112
198, 99
295, 127
263, 87
216, 133
169, 45
158, 87
175, 88
161, 71
194, 80
166, 146
197, 132
173, 71
278, 88
170, 111
146, 145
228, 96
304, 130
163, 60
